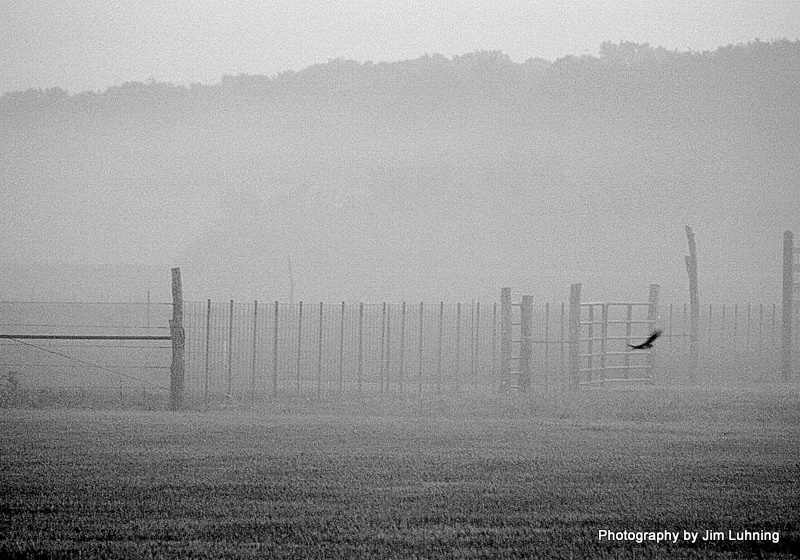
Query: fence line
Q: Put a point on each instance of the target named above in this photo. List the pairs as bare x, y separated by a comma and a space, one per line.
273, 349
324, 350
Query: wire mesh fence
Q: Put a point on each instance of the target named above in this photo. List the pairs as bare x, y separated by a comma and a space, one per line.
319, 350
316, 349
252, 350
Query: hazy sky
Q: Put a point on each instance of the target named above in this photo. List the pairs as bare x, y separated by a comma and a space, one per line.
92, 44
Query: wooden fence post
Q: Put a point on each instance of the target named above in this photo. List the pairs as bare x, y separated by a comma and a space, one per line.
694, 301
574, 336
178, 334
652, 315
788, 296
526, 344
505, 335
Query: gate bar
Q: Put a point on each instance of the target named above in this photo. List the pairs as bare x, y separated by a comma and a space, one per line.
82, 337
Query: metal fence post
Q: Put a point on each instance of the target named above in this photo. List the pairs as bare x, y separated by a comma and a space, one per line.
788, 296
574, 336
255, 342
208, 349
230, 351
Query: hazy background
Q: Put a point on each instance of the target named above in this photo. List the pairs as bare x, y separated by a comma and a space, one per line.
93, 44
443, 176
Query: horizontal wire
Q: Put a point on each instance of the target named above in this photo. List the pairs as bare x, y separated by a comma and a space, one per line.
82, 326
83, 387
92, 365
108, 346
18, 336
78, 365
83, 303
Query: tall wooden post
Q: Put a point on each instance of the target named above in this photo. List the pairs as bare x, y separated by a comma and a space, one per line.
526, 344
652, 315
574, 336
178, 334
505, 335
694, 302
788, 296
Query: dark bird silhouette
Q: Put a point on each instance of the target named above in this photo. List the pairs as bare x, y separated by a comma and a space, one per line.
647, 344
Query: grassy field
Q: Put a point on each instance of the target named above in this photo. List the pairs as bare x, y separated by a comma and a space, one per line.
506, 476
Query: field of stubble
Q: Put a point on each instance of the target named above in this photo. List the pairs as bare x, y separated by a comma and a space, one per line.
475, 477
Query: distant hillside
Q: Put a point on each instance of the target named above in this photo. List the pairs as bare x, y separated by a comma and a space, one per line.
423, 179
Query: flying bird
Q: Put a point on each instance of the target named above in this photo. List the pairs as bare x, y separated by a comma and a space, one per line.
647, 344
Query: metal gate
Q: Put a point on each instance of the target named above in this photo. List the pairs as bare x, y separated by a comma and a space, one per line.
600, 337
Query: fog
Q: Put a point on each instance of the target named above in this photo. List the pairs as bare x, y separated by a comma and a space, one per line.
91, 45
378, 398
428, 179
